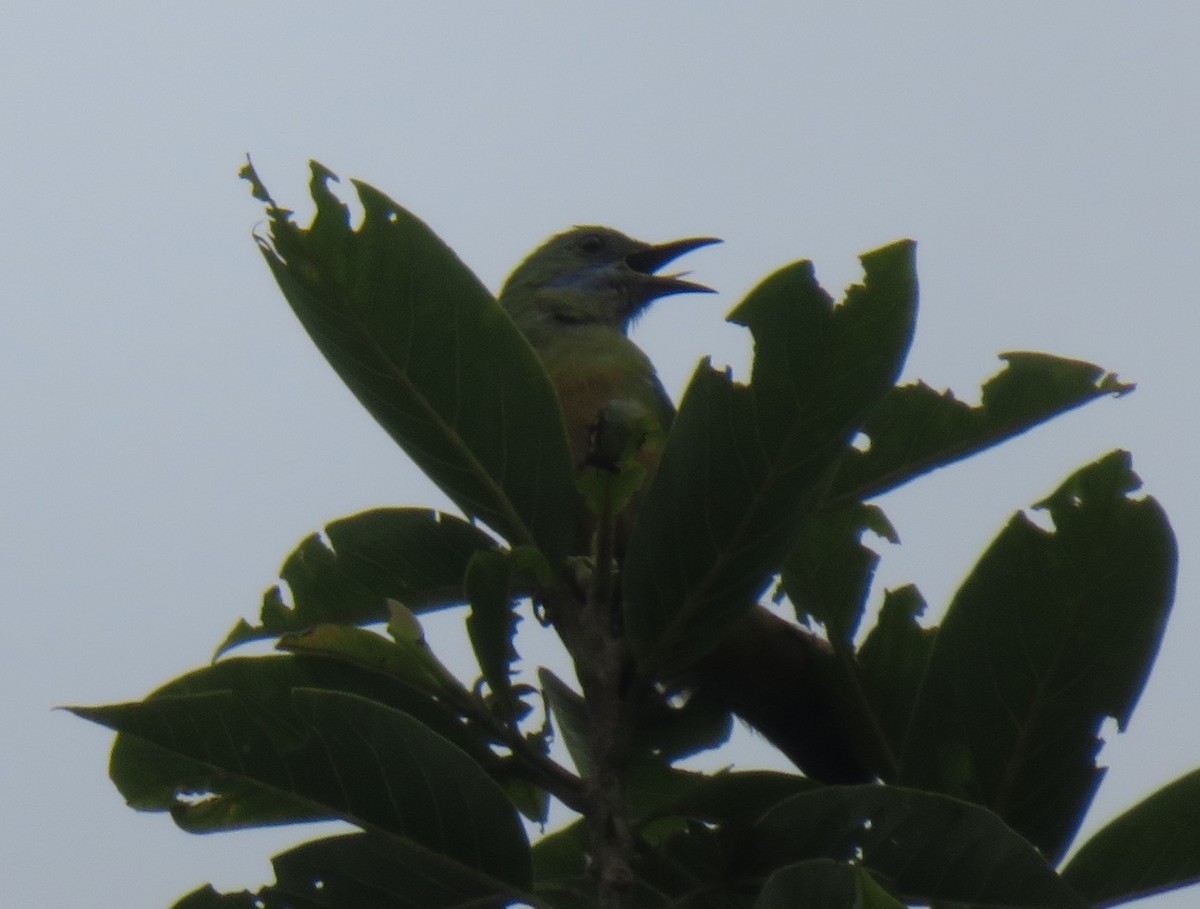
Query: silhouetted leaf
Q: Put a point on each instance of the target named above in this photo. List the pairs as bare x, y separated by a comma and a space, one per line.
916, 429
690, 867
738, 797
153, 777
409, 660
744, 464
678, 730
361, 871
570, 714
827, 575
432, 356
823, 884
349, 757
928, 847
1052, 633
892, 662
413, 555
492, 587
560, 868
1148, 849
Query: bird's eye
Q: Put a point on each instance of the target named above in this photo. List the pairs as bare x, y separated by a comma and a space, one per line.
591, 244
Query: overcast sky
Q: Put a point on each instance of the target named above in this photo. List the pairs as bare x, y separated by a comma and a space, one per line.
171, 433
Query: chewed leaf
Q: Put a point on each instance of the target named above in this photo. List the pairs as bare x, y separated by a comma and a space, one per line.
359, 869
744, 465
348, 574
929, 848
1051, 634
388, 773
432, 356
916, 429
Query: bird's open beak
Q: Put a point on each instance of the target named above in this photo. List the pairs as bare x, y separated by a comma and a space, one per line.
649, 260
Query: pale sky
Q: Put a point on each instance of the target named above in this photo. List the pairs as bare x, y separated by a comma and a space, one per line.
172, 434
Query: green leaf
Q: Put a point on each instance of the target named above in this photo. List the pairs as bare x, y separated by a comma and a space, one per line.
561, 854
410, 660
360, 870
736, 797
560, 868
564, 880
892, 663
827, 575
664, 731
744, 465
690, 867
872, 895
491, 586
916, 429
413, 555
928, 847
350, 758
431, 355
651, 786
824, 884
1051, 633
678, 730
154, 778
570, 713
1148, 849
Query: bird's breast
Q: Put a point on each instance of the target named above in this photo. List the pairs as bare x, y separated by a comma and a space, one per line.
590, 369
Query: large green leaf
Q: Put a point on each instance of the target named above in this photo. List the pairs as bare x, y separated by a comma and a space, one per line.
736, 798
564, 880
673, 812
432, 356
1148, 849
928, 847
560, 868
690, 867
824, 884
744, 464
891, 666
674, 729
827, 575
153, 777
359, 871
916, 429
346, 575
349, 757
1052, 633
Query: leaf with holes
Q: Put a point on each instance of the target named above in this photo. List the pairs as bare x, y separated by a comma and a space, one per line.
432, 356
348, 757
744, 465
348, 574
1051, 634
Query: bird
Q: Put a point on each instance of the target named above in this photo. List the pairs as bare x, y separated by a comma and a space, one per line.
574, 299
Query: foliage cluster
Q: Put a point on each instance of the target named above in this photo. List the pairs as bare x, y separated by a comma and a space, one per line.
983, 731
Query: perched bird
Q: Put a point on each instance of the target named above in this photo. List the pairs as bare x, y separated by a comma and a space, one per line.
574, 299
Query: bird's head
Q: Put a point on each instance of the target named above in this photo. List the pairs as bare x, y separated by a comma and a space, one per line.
594, 276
